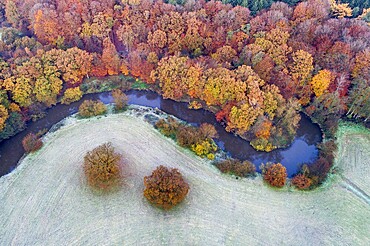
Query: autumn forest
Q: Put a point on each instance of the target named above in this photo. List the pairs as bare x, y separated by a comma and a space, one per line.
256, 72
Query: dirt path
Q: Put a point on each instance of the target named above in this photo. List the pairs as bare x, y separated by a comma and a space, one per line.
45, 201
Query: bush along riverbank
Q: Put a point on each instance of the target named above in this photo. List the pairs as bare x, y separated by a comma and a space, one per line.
11, 150
200, 140
309, 177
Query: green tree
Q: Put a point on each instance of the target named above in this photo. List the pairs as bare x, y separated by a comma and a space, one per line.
257, 5
13, 125
359, 101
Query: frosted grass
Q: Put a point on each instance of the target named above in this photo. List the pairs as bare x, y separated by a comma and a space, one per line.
46, 202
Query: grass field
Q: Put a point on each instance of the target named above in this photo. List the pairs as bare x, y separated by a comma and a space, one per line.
353, 159
46, 202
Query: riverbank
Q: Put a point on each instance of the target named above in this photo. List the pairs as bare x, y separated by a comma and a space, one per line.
302, 150
46, 201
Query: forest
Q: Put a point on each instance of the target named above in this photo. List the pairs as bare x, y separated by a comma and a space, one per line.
257, 71
354, 7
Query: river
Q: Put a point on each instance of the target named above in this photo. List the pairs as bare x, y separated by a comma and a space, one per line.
302, 150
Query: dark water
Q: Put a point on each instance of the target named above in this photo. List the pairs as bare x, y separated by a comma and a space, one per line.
302, 150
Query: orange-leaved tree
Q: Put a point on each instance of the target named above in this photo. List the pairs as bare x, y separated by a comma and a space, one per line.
274, 174
301, 181
90, 108
120, 99
45, 25
31, 143
110, 57
102, 167
165, 188
172, 76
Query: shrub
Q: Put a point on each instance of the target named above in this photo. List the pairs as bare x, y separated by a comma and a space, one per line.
91, 108
204, 147
319, 170
165, 188
301, 182
71, 95
328, 150
139, 85
102, 167
262, 144
14, 124
274, 174
36, 111
167, 127
195, 105
199, 140
210, 156
187, 136
120, 99
236, 167
31, 143
208, 131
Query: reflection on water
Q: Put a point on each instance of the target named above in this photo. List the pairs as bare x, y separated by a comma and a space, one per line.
302, 150
142, 98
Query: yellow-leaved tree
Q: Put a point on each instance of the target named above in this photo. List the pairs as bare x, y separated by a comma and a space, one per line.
3, 116
72, 95
321, 81
362, 64
22, 91
340, 10
302, 67
171, 74
242, 118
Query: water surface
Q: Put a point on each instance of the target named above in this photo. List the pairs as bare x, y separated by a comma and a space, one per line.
302, 150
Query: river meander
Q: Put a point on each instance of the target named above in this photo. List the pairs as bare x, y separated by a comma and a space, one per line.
302, 150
